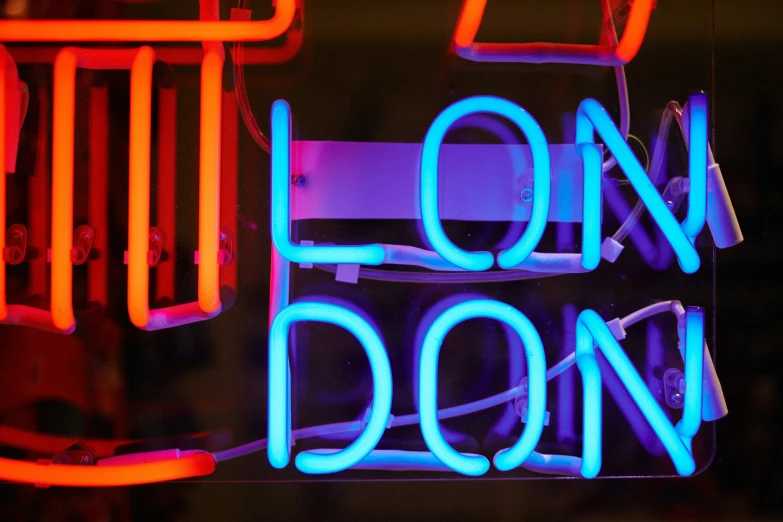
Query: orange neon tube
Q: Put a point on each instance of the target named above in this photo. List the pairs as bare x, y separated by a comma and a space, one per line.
181, 55
208, 304
13, 314
539, 52
139, 187
635, 29
65, 66
3, 304
209, 183
192, 465
64, 107
149, 30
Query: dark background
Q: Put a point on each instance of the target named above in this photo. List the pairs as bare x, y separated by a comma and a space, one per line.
743, 481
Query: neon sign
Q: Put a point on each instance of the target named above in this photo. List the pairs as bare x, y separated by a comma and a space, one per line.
591, 118
562, 184
591, 330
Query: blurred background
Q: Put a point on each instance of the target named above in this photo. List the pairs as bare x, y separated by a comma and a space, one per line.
730, 48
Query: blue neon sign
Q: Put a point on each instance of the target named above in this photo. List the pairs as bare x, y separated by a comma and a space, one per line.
591, 118
591, 332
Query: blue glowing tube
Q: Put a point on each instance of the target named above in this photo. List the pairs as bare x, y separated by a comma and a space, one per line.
510, 419
592, 162
592, 330
449, 435
694, 374
281, 215
591, 400
478, 261
396, 460
697, 165
428, 386
656, 252
590, 117
278, 449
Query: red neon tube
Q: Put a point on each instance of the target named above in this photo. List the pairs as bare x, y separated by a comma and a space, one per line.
208, 304
3, 305
181, 55
13, 314
209, 183
64, 108
192, 464
62, 170
538, 52
149, 30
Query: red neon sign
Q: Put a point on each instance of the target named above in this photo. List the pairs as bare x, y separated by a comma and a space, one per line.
622, 52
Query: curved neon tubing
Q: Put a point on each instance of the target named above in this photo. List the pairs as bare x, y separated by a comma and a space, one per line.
191, 464
208, 304
694, 375
540, 463
592, 117
591, 224
428, 386
281, 212
149, 30
395, 460
279, 436
3, 301
697, 165
540, 52
591, 206
592, 330
209, 182
478, 261
591, 398
64, 109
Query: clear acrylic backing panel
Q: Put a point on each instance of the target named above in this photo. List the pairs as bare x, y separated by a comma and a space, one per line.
366, 80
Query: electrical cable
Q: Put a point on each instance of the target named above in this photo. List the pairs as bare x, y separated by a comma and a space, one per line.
644, 149
240, 88
673, 110
622, 94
